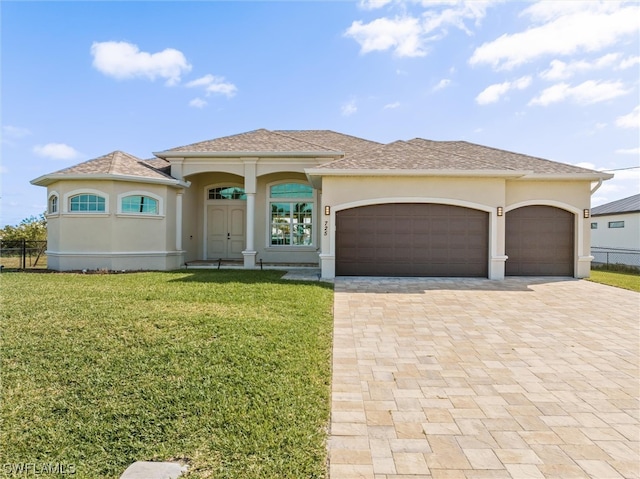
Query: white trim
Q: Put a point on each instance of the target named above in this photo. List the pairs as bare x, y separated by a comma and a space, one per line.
314, 215
114, 254
153, 196
46, 180
85, 191
59, 206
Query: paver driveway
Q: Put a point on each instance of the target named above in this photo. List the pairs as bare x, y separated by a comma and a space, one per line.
471, 378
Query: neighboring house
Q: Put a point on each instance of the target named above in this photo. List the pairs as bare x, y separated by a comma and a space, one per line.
615, 231
353, 206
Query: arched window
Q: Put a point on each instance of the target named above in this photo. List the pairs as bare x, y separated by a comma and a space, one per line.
291, 214
227, 193
87, 203
139, 204
53, 204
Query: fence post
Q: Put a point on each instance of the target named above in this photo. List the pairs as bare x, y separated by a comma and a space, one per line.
24, 254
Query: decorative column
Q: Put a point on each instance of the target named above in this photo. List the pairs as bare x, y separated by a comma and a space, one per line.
250, 181
179, 221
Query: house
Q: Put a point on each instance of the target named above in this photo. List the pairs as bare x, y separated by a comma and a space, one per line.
351, 205
615, 231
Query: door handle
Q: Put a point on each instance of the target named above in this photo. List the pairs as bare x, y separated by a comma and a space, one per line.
228, 235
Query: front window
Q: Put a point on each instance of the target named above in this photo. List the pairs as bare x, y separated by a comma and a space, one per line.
87, 203
291, 209
140, 204
616, 224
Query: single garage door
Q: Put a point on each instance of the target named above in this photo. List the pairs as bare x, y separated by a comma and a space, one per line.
539, 241
412, 239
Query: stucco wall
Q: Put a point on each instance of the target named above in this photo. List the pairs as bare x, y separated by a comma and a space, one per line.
112, 240
627, 237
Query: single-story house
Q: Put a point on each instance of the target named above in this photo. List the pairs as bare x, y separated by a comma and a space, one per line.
615, 232
350, 205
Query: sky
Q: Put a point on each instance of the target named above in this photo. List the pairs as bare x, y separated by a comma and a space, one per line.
552, 79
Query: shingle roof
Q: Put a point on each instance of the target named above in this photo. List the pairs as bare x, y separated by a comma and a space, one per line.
116, 163
256, 140
625, 205
420, 154
331, 139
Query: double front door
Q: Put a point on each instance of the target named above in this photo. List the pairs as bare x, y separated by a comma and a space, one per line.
225, 230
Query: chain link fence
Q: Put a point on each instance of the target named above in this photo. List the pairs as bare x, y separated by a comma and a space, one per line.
615, 258
23, 254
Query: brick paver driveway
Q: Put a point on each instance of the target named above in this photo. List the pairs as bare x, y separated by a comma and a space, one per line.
471, 378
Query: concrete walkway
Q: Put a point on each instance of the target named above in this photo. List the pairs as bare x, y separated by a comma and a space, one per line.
472, 378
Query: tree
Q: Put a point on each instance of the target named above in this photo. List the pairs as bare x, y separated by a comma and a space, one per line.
32, 228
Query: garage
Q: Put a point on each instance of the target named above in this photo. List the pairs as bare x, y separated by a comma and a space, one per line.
539, 241
412, 239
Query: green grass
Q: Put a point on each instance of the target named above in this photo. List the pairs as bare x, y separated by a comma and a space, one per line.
227, 371
618, 279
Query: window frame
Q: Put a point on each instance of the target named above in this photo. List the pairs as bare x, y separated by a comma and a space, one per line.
616, 224
291, 200
85, 191
594, 225
53, 196
148, 194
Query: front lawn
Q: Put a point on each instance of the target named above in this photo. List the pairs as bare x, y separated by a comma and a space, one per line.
227, 371
626, 280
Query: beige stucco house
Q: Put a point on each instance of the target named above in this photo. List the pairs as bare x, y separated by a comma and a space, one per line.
350, 205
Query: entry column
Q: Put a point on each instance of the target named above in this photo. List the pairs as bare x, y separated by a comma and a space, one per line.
250, 181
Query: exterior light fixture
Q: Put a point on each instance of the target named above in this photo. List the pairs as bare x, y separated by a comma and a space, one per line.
327, 210
500, 211
586, 213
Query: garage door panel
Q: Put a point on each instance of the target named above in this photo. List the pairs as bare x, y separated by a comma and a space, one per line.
539, 241
412, 240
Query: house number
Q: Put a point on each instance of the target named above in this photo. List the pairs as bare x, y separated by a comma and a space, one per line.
326, 228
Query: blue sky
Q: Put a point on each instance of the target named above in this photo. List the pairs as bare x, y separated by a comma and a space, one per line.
558, 80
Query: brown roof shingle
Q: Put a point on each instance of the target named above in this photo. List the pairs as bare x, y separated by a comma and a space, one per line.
115, 163
256, 140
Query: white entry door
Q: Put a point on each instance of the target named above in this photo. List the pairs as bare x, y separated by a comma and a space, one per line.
225, 231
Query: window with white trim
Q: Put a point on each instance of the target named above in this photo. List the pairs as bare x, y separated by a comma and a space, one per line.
227, 193
291, 211
139, 204
53, 204
87, 203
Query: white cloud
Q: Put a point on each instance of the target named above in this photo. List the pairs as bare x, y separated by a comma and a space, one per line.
561, 71
407, 35
629, 151
586, 93
492, 93
122, 60
402, 35
372, 4
630, 120
214, 84
349, 108
198, 103
3, 170
14, 132
629, 62
391, 106
56, 151
564, 28
444, 83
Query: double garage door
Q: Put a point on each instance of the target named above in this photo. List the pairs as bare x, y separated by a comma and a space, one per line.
416, 239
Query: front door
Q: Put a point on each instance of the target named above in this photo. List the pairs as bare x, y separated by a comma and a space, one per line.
225, 230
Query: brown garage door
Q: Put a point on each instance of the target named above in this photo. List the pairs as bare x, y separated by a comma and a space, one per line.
409, 239
539, 241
